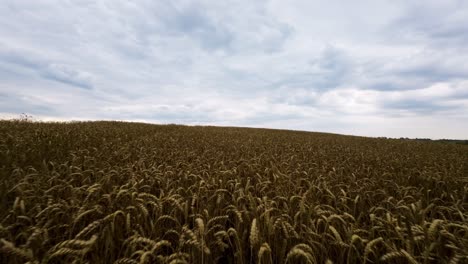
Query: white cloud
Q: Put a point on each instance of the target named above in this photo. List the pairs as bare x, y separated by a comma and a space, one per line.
380, 68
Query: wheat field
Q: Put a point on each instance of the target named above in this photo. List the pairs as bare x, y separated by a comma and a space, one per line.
115, 192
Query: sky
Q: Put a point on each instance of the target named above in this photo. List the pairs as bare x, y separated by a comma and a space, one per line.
395, 68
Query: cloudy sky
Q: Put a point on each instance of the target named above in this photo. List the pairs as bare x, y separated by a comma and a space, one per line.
396, 68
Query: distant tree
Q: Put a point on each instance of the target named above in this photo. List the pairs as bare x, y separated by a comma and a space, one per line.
25, 118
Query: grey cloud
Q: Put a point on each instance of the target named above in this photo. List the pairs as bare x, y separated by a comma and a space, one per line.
418, 70
57, 72
440, 23
389, 84
225, 26
417, 106
431, 73
22, 104
194, 21
68, 75
334, 67
418, 77
331, 69
408, 79
17, 59
228, 32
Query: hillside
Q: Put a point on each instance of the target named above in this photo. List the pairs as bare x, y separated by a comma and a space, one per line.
114, 192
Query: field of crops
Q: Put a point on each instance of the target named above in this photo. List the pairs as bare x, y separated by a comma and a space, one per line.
112, 192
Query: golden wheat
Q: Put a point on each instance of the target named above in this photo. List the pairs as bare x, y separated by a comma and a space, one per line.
114, 192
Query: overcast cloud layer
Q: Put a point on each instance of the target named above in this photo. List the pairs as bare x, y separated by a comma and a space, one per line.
376, 68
